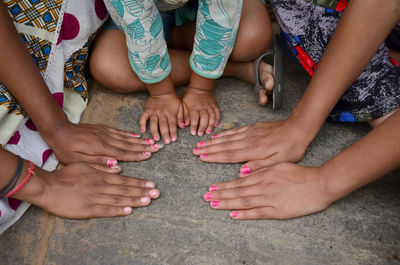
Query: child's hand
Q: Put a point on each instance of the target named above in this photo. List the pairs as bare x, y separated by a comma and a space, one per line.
164, 112
202, 110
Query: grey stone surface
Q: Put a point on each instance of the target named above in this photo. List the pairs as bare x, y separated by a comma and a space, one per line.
180, 228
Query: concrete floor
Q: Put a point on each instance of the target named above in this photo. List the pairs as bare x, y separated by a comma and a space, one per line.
180, 228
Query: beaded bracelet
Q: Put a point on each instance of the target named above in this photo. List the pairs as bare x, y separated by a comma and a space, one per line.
22, 184
14, 180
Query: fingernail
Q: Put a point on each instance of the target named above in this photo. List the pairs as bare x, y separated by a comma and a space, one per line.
193, 132
112, 162
167, 141
234, 214
212, 188
116, 167
214, 136
144, 199
150, 184
196, 149
146, 153
157, 146
200, 144
153, 192
203, 156
127, 210
214, 203
135, 135
173, 139
186, 123
182, 125
150, 141
201, 134
208, 132
216, 124
157, 138
142, 129
245, 170
208, 196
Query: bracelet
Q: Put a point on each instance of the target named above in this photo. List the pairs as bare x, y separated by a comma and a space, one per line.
14, 180
22, 184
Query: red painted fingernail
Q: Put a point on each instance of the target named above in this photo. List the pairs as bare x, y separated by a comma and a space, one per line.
214, 203
200, 144
182, 125
150, 141
135, 135
155, 146
208, 132
212, 188
142, 129
112, 162
214, 136
127, 210
203, 156
201, 134
186, 123
245, 170
208, 196
234, 214
197, 149
146, 153
193, 132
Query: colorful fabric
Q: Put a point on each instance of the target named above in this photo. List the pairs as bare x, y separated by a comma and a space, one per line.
57, 35
307, 29
216, 29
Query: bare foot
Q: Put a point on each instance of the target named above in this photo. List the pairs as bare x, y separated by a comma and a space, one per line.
265, 72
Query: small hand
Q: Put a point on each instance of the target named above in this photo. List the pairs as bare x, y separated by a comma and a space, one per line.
202, 110
98, 145
283, 191
80, 191
262, 143
164, 112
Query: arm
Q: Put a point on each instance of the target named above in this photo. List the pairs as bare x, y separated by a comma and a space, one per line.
349, 51
287, 190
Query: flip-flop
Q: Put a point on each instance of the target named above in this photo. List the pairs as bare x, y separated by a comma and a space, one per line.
275, 59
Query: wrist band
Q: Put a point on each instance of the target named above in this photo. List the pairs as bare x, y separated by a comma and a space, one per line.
14, 179
22, 184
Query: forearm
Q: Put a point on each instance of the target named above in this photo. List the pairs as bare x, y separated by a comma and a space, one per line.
21, 76
373, 156
362, 29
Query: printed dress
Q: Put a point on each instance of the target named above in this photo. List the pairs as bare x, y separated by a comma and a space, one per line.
216, 29
307, 26
56, 34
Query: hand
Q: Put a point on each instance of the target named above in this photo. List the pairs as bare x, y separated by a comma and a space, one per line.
98, 145
202, 110
164, 112
80, 191
262, 143
283, 191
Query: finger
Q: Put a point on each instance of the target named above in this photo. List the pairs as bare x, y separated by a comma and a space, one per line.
172, 128
146, 146
113, 170
238, 182
204, 119
186, 115
228, 156
194, 122
164, 129
143, 121
237, 192
262, 97
115, 200
240, 203
180, 117
211, 121
255, 214
217, 116
218, 148
154, 127
129, 181
129, 191
233, 134
96, 210
254, 165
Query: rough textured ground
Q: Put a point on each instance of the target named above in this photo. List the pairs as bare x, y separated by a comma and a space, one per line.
180, 228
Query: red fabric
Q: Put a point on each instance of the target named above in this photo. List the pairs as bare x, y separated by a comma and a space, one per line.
341, 5
394, 62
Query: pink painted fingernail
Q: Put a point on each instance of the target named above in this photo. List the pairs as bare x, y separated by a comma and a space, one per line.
208, 196
142, 129
182, 125
193, 132
153, 192
197, 150
208, 132
167, 141
116, 167
112, 162
186, 123
150, 184
214, 136
245, 170
135, 135
127, 210
150, 141
200, 144
214, 203
201, 134
173, 139
156, 146
157, 138
146, 153
144, 199
216, 124
203, 156
234, 214
212, 188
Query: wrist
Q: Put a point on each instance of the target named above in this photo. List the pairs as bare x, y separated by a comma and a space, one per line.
200, 83
165, 87
306, 125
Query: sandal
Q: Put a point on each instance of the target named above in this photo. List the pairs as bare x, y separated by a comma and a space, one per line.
272, 56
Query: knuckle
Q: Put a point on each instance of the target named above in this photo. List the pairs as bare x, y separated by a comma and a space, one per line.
261, 213
238, 191
116, 199
124, 180
246, 202
124, 189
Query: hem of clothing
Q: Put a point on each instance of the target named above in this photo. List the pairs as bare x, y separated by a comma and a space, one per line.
158, 79
203, 74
